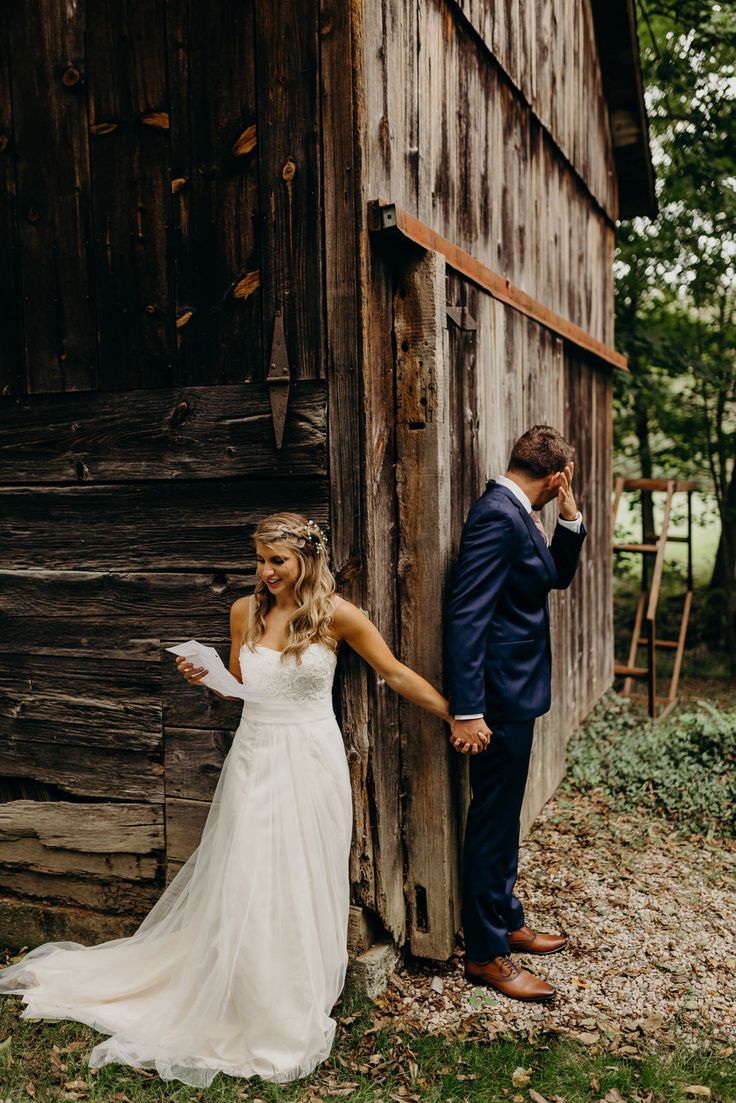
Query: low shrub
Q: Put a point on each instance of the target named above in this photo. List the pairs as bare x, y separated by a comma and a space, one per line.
683, 767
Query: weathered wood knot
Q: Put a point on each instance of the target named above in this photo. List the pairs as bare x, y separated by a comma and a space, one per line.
183, 318
102, 128
288, 172
245, 142
157, 119
4, 142
71, 76
180, 412
244, 287
326, 23
178, 184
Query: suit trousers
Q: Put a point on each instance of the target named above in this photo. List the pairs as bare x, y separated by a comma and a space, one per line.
490, 910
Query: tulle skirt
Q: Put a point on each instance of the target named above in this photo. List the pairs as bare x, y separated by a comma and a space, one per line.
237, 966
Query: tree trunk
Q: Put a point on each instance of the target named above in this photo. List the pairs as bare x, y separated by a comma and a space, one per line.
723, 579
645, 461
724, 568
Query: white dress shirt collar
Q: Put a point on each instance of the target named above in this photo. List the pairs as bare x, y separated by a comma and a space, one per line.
515, 489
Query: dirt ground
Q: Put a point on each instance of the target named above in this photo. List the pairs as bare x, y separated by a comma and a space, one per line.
651, 920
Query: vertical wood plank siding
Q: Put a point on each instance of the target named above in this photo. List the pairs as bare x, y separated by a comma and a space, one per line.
168, 182
487, 121
142, 182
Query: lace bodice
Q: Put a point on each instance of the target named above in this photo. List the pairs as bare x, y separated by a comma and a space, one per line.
266, 677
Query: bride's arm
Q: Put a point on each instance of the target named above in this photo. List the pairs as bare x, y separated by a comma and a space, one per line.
238, 620
354, 627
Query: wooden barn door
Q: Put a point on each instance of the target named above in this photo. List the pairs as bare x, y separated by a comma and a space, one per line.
159, 224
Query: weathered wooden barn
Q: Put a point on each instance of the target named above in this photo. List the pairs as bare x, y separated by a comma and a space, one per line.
390, 222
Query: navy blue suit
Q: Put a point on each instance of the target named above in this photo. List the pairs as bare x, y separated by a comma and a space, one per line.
498, 663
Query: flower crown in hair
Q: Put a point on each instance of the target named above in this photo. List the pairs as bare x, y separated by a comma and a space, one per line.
312, 532
318, 538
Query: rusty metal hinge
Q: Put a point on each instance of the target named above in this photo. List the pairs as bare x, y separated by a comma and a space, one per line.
278, 378
462, 317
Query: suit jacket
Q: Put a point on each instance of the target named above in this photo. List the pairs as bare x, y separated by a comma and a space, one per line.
497, 644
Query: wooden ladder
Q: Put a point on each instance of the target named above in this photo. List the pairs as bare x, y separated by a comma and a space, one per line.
644, 633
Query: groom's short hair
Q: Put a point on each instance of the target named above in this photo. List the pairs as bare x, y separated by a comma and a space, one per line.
540, 451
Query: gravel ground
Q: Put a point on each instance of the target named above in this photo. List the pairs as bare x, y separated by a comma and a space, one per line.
651, 920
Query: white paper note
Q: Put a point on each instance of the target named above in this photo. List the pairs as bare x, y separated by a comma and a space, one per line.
218, 676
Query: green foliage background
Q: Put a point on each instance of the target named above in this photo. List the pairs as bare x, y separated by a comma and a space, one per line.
676, 276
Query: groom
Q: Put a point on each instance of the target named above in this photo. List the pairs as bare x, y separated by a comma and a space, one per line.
498, 657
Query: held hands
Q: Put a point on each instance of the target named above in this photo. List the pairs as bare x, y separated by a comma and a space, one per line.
470, 736
565, 498
193, 674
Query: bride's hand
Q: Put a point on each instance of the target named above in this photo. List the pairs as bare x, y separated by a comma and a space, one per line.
193, 674
470, 736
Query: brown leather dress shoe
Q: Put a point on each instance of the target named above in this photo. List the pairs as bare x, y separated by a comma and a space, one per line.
507, 977
526, 941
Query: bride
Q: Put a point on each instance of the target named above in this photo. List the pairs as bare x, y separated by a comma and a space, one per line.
238, 964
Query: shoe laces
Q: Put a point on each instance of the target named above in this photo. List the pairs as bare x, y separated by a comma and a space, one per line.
508, 967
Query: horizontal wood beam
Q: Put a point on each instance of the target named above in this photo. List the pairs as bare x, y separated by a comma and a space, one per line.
388, 217
660, 484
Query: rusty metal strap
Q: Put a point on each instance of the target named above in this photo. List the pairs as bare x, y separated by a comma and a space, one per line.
388, 218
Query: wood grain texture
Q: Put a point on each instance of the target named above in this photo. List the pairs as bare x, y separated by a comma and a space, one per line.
193, 761
288, 123
75, 725
501, 189
185, 820
125, 50
107, 614
52, 195
424, 496
192, 526
119, 840
12, 349
187, 432
215, 206
29, 923
360, 443
186, 706
547, 52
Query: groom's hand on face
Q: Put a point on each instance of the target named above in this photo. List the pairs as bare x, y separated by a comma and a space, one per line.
565, 498
470, 736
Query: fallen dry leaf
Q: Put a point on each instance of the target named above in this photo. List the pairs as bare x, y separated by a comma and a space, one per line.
698, 1090
586, 1038
521, 1077
536, 1097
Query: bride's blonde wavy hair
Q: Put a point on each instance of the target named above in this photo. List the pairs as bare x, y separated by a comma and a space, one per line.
313, 589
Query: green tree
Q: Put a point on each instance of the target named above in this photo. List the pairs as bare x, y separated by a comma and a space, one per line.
676, 276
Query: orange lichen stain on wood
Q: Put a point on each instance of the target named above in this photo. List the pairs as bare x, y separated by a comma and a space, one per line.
158, 119
245, 142
288, 173
183, 318
178, 184
103, 128
249, 283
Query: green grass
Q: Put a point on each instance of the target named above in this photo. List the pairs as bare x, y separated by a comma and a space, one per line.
370, 1065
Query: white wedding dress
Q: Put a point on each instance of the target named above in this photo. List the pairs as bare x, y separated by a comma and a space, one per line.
238, 964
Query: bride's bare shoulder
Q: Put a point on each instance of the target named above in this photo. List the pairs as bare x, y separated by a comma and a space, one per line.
345, 616
239, 609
